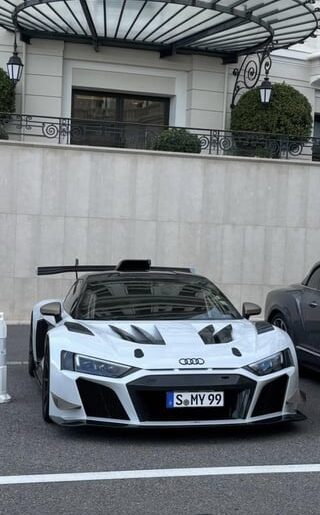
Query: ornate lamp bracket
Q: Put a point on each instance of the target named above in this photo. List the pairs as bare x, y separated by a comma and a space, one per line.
249, 73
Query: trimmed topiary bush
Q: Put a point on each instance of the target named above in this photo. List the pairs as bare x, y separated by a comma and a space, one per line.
7, 100
177, 140
288, 114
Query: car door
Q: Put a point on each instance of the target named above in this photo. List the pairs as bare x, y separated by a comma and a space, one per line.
310, 307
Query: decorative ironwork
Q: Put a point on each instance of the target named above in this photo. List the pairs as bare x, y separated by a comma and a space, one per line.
249, 73
101, 133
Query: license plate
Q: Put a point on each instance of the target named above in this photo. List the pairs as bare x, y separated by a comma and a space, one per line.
194, 399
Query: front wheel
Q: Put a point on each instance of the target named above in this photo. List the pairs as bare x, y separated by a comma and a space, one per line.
46, 383
280, 321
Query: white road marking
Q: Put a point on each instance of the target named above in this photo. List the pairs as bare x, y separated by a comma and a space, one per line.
159, 473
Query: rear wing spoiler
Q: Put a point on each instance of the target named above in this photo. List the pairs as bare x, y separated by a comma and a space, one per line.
63, 269
126, 265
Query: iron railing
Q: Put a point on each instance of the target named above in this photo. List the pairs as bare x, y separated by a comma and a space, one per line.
143, 136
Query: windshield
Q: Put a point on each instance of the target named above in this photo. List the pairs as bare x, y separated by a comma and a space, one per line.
152, 298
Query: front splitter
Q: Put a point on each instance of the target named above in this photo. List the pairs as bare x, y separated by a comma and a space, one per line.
294, 417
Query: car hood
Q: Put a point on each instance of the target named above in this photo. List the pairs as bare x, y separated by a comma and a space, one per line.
165, 343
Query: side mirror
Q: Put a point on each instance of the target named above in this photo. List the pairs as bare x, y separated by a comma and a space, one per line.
52, 309
249, 309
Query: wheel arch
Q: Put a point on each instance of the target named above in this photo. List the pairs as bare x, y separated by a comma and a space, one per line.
289, 319
40, 328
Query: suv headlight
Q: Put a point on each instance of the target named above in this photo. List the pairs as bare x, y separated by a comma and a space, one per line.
93, 366
272, 364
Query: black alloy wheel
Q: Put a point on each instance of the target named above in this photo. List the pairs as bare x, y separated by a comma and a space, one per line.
279, 321
31, 362
46, 383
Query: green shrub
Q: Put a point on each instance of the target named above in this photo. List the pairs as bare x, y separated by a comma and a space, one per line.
177, 140
289, 113
7, 100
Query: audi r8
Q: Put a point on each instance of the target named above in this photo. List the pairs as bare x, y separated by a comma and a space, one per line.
137, 345
296, 310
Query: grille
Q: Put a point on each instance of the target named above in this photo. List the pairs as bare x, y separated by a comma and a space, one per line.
100, 401
149, 397
271, 397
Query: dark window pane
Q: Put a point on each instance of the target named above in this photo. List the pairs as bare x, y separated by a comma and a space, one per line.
88, 106
140, 110
91, 106
191, 298
314, 281
72, 296
107, 119
316, 142
144, 112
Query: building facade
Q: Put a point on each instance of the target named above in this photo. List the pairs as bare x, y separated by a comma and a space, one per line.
71, 80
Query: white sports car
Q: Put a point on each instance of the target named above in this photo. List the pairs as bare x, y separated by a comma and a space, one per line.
135, 345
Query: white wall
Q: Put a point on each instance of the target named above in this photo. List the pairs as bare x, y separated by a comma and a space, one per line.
248, 224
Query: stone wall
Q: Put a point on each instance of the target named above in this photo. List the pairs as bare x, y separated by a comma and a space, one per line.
248, 224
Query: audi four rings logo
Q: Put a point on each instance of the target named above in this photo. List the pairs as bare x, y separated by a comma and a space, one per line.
191, 361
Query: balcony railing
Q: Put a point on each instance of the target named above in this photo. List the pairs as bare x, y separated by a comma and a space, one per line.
104, 133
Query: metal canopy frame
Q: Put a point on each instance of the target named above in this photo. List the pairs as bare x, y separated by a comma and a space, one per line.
223, 28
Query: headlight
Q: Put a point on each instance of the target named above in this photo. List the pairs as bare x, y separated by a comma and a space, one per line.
87, 365
272, 364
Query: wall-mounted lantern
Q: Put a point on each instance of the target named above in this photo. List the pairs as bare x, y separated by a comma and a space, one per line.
14, 65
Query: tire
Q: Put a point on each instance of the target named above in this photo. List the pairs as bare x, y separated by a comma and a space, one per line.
45, 386
31, 362
279, 320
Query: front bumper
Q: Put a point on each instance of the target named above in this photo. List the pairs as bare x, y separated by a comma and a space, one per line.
138, 400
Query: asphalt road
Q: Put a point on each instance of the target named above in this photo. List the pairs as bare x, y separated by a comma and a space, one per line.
29, 446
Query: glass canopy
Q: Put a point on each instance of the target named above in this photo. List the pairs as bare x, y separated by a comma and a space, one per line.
224, 28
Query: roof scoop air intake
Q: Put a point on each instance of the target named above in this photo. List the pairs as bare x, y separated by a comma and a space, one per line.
134, 265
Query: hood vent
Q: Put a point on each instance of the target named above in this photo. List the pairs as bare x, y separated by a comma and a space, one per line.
210, 337
207, 334
139, 335
145, 337
123, 334
78, 328
263, 327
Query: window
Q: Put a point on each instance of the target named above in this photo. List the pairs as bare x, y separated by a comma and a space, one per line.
72, 296
155, 298
116, 120
316, 134
314, 281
